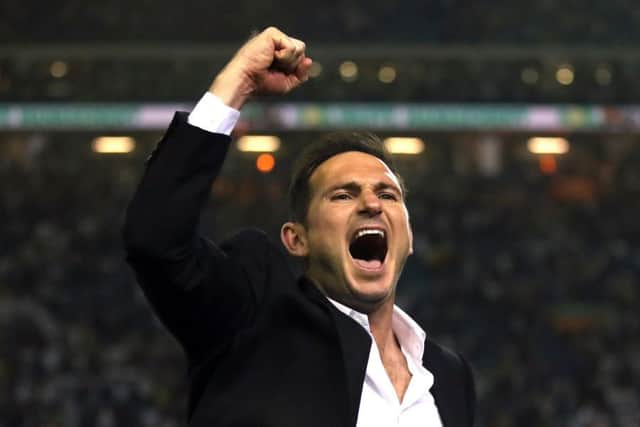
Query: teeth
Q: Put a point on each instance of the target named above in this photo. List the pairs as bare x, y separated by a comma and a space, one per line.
369, 231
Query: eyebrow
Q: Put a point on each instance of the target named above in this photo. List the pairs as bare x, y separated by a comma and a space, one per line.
354, 187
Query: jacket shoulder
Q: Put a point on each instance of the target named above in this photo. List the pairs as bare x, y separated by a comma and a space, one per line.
261, 259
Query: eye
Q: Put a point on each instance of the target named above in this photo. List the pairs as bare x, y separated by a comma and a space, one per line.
388, 196
341, 196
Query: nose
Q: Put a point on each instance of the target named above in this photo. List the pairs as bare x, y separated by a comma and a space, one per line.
369, 203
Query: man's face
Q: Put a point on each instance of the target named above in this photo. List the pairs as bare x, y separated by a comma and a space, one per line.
357, 230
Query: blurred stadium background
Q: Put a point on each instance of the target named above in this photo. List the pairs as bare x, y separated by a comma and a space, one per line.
527, 252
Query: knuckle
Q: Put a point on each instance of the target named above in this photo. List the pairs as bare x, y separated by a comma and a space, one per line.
273, 32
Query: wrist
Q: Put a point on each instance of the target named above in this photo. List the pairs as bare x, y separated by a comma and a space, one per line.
232, 88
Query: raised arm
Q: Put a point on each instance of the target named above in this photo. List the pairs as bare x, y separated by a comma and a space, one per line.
203, 292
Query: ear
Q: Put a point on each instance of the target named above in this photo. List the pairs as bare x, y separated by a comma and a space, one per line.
410, 240
294, 238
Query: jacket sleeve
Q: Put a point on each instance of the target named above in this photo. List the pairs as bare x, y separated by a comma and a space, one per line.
203, 293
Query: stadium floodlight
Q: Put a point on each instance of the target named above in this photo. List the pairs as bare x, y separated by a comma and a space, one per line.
404, 145
565, 74
259, 143
548, 145
348, 71
387, 74
113, 144
315, 70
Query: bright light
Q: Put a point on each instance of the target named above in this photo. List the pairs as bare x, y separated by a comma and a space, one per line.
387, 74
58, 69
403, 145
113, 144
565, 75
259, 143
315, 70
349, 71
548, 145
265, 163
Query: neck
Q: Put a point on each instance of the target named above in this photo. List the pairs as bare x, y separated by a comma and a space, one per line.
380, 322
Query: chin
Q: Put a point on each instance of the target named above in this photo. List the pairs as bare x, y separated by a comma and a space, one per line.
370, 296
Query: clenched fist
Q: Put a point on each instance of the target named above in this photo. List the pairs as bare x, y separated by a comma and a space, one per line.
269, 63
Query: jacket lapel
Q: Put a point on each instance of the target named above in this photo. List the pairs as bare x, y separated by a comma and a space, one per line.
440, 390
355, 344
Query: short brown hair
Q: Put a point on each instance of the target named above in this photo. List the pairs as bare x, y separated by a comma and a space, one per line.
316, 153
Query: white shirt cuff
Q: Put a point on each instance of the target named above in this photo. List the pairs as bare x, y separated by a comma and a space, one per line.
212, 115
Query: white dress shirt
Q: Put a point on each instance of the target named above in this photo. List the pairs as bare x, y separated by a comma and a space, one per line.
379, 403
213, 115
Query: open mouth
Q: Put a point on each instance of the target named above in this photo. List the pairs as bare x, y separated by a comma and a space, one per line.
368, 248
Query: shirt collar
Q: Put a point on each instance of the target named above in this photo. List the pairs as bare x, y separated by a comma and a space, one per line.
409, 334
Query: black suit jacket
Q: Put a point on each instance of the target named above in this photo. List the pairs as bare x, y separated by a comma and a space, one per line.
264, 348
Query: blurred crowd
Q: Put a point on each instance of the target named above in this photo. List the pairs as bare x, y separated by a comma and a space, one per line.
156, 51
449, 21
163, 74
534, 277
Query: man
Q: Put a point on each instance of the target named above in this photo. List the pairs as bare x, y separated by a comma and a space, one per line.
265, 349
